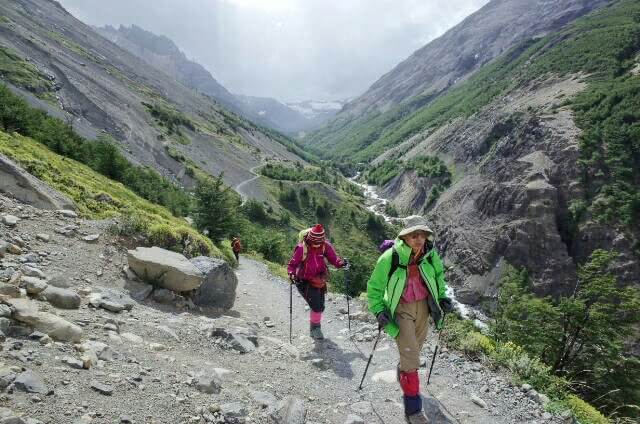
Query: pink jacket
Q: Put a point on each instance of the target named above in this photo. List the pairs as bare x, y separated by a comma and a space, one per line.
315, 264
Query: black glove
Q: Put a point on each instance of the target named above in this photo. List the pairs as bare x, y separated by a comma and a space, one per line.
383, 318
446, 305
292, 278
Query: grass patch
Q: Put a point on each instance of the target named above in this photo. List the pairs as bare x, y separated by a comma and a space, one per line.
73, 46
84, 186
21, 73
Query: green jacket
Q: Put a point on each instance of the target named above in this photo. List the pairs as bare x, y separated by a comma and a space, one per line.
384, 291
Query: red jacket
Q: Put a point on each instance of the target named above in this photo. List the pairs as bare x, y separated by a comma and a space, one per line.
314, 266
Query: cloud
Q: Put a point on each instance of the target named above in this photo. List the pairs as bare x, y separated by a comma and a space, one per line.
288, 49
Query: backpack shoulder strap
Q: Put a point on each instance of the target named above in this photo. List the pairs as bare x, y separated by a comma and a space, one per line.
305, 251
395, 263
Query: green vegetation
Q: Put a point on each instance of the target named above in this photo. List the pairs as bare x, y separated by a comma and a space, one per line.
299, 173
102, 155
425, 166
570, 348
171, 119
73, 46
215, 208
98, 197
384, 172
580, 338
23, 74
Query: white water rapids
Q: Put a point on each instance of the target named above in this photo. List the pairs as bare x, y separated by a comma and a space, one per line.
376, 204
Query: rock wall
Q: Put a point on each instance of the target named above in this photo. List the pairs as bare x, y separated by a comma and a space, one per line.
516, 173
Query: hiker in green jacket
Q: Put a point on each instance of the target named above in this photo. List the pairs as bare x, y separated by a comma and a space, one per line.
406, 288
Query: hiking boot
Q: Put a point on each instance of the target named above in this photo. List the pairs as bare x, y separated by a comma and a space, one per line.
417, 418
316, 332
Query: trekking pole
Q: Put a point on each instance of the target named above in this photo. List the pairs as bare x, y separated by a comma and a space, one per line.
435, 352
370, 358
290, 310
346, 283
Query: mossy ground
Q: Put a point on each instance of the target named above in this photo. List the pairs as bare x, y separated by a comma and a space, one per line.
21, 73
84, 186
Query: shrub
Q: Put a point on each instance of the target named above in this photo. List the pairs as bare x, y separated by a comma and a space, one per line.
584, 412
255, 211
273, 247
131, 223
179, 239
475, 345
455, 330
297, 173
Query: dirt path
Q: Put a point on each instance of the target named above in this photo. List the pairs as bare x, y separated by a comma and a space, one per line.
240, 188
454, 382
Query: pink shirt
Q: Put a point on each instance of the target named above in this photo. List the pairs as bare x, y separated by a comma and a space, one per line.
415, 289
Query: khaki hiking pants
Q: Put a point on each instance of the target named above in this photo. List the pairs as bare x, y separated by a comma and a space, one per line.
413, 320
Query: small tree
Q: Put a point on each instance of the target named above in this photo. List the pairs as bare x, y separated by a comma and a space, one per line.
597, 321
583, 337
215, 208
518, 312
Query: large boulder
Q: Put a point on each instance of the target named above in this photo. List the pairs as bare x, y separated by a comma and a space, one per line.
28, 189
219, 285
164, 268
55, 327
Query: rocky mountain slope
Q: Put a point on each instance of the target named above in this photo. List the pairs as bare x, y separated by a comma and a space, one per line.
115, 350
442, 64
65, 67
522, 139
163, 54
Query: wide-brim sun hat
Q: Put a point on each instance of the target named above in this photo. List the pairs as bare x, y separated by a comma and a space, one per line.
416, 223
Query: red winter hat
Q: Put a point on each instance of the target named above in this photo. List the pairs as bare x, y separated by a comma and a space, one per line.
316, 234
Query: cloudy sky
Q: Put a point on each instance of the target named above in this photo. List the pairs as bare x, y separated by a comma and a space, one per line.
288, 49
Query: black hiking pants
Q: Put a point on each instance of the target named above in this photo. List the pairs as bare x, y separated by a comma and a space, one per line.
312, 295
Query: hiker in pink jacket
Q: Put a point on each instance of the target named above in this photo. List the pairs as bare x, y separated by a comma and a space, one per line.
308, 270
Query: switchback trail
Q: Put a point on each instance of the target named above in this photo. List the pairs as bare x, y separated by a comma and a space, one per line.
240, 187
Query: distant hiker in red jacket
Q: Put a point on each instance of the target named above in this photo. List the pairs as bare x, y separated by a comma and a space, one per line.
308, 269
236, 246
